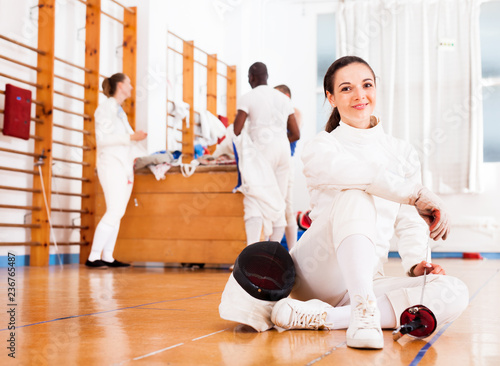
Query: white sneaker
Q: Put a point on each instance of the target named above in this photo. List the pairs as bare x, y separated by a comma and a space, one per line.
294, 314
364, 328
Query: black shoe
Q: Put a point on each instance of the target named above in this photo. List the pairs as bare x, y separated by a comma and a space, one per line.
96, 264
116, 263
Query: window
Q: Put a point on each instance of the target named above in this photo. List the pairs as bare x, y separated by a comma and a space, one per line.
490, 60
326, 42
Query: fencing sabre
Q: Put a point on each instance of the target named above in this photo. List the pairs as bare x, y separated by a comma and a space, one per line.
418, 321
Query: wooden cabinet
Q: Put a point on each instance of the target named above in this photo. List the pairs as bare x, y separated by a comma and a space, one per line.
193, 220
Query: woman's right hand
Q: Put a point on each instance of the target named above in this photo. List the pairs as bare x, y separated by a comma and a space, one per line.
138, 135
427, 267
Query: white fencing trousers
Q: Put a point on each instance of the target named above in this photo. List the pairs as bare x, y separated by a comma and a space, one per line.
117, 190
103, 234
264, 174
278, 156
253, 229
109, 246
319, 275
277, 235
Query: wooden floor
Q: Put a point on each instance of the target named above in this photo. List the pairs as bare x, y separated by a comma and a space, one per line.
72, 315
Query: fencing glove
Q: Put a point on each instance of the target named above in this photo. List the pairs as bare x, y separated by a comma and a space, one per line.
431, 208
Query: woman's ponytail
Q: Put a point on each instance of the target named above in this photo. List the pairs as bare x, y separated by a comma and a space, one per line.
333, 121
106, 88
109, 84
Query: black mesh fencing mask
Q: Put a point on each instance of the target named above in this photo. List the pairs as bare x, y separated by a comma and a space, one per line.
265, 270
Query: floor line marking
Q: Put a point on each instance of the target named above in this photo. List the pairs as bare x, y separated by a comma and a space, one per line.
156, 352
177, 345
208, 335
329, 352
423, 350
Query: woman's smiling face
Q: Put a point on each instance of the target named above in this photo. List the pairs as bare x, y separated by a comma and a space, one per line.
354, 94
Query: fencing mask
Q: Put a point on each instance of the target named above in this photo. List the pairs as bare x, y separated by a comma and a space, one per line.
263, 274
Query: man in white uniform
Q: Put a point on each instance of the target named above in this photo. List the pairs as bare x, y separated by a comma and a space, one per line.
271, 128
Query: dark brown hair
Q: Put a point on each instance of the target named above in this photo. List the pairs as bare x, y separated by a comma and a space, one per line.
328, 85
109, 84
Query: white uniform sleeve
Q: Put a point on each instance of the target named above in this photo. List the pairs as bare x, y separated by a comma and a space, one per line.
105, 127
327, 165
410, 229
244, 103
413, 235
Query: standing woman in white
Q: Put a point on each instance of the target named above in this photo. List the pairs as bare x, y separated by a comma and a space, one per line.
363, 185
117, 148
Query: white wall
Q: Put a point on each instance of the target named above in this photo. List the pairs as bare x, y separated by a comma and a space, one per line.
476, 217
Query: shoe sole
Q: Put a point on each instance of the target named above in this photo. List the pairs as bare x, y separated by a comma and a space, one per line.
366, 343
118, 266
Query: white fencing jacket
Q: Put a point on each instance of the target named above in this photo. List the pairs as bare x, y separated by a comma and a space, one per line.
372, 161
113, 131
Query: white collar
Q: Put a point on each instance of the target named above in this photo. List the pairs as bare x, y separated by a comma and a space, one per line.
360, 135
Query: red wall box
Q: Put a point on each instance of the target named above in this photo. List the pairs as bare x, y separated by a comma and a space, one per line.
17, 112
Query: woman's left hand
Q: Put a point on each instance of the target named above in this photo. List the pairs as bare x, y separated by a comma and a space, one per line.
138, 135
430, 268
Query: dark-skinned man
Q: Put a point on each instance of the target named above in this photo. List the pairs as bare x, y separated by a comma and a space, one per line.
264, 125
